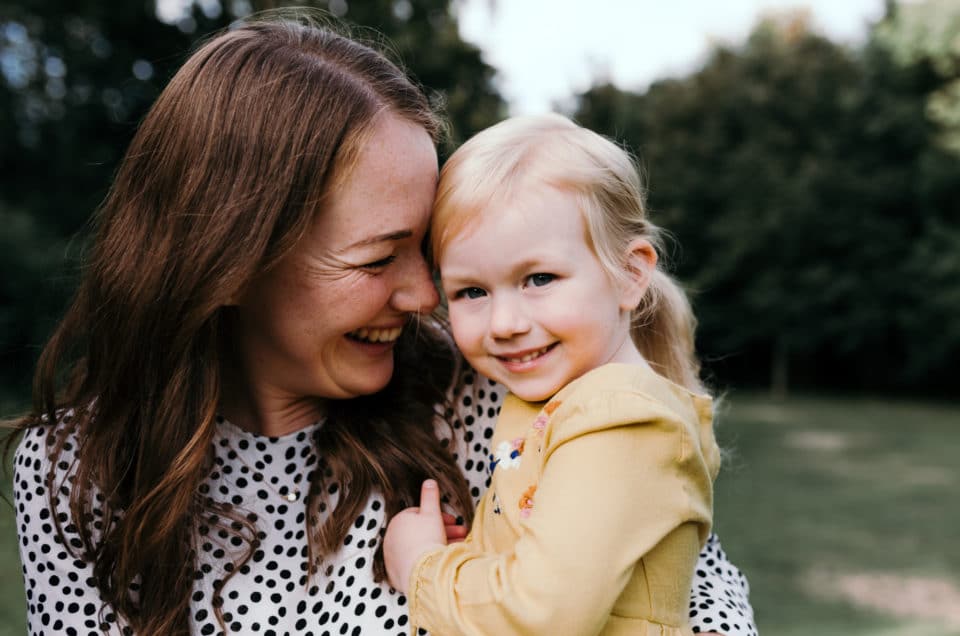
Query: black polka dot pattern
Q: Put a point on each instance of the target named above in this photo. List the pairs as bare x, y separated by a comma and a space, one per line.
271, 595
719, 601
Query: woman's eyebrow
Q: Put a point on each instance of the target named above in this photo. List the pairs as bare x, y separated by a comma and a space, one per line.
379, 238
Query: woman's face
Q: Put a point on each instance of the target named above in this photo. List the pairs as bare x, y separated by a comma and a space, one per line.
323, 323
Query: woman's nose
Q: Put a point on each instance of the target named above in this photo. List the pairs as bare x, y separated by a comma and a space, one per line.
416, 291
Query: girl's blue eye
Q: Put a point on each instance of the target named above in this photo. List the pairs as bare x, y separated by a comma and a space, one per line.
539, 280
383, 262
471, 293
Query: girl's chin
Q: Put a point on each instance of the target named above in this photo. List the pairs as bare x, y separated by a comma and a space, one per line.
531, 391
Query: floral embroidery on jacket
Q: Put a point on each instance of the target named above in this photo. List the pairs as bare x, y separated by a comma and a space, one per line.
507, 454
540, 424
526, 501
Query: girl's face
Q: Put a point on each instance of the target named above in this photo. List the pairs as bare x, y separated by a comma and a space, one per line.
531, 306
323, 323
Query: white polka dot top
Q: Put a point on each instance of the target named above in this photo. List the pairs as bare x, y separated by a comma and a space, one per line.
271, 594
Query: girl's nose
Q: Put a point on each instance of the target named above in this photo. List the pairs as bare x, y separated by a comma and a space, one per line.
507, 318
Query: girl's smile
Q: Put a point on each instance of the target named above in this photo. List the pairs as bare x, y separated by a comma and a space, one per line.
525, 360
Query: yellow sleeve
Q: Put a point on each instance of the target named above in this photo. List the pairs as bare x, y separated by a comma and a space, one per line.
619, 475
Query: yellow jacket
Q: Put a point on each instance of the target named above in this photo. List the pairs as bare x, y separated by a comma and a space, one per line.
599, 503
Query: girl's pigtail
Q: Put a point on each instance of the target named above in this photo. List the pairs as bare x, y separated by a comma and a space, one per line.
663, 330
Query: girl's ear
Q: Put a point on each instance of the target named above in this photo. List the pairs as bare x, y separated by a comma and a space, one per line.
641, 262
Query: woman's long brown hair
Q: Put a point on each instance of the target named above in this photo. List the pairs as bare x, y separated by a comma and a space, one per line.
223, 177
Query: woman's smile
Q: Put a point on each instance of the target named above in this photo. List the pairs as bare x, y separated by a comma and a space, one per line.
374, 335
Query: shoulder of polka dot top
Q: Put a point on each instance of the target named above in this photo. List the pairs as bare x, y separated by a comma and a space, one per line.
269, 594
720, 595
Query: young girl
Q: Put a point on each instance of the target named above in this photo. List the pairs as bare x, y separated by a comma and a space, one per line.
601, 491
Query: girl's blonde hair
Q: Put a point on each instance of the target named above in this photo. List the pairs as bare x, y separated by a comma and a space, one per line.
552, 150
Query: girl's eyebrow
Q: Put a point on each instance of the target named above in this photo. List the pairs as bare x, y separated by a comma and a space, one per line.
465, 276
379, 238
530, 263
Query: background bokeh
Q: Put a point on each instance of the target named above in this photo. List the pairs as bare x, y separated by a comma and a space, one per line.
812, 194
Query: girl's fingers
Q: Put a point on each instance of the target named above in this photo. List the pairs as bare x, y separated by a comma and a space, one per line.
430, 498
455, 532
449, 519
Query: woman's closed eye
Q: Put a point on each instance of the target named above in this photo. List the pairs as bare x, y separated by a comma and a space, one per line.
540, 279
379, 264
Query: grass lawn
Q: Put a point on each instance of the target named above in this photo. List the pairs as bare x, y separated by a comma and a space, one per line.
842, 512
12, 603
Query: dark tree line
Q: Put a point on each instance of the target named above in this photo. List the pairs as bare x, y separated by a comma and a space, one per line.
816, 206
813, 188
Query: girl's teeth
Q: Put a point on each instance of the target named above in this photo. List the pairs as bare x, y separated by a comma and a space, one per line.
531, 356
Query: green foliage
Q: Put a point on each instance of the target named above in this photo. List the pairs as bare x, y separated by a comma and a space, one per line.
28, 249
804, 184
77, 77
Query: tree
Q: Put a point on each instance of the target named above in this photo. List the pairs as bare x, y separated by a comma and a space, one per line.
920, 39
792, 170
76, 77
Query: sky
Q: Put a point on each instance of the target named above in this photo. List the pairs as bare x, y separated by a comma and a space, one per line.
547, 50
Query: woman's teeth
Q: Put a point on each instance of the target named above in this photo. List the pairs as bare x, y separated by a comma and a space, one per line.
376, 335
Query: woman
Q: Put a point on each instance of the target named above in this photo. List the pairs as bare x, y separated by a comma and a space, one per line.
249, 368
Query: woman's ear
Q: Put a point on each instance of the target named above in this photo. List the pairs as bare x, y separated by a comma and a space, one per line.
640, 264
236, 298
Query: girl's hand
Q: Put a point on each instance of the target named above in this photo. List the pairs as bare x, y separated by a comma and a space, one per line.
455, 532
415, 531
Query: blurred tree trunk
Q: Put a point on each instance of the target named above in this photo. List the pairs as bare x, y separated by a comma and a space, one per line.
779, 368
